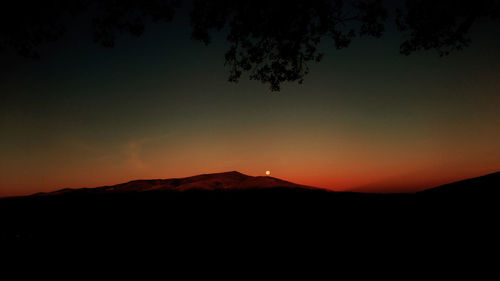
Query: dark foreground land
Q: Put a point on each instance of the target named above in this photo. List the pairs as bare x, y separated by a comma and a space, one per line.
275, 217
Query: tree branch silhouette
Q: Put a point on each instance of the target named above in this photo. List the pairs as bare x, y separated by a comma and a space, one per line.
271, 41
442, 25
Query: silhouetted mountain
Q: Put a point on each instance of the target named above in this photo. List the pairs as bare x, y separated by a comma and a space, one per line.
484, 186
232, 207
206, 182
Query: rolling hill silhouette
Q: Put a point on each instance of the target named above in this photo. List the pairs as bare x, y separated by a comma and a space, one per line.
236, 181
231, 202
228, 181
484, 186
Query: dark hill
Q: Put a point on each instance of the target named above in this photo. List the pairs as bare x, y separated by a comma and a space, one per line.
228, 181
487, 187
233, 207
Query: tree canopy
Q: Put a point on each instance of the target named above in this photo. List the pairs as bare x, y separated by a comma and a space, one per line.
273, 41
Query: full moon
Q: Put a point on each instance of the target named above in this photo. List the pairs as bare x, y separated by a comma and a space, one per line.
268, 173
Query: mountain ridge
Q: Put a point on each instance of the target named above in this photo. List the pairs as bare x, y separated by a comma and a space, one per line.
236, 181
232, 180
216, 209
487, 184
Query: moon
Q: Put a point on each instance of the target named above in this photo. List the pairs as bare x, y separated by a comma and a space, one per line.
268, 173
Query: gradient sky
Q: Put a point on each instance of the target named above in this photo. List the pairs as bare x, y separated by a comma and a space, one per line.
159, 106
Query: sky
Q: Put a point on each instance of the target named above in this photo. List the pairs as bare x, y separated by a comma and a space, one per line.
159, 106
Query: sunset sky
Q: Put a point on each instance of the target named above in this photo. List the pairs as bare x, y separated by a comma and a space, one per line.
160, 106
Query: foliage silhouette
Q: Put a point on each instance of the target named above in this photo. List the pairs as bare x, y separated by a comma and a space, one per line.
442, 25
275, 40
272, 41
